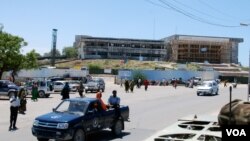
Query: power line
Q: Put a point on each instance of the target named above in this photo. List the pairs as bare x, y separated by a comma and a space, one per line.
198, 11
192, 16
157, 4
225, 14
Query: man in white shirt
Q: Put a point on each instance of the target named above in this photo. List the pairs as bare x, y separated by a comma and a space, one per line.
14, 104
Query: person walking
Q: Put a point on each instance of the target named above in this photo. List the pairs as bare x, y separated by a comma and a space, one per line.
139, 83
23, 101
14, 105
175, 84
146, 83
225, 83
65, 91
34, 92
80, 89
126, 86
131, 86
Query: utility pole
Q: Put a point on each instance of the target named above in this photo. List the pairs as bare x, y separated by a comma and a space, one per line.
230, 105
248, 78
53, 51
248, 91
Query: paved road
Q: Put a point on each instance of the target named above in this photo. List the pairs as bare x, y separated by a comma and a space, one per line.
150, 111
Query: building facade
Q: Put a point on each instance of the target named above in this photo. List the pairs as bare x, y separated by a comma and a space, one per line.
177, 48
116, 48
186, 48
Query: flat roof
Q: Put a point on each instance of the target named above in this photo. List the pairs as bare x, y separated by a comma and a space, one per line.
203, 38
120, 39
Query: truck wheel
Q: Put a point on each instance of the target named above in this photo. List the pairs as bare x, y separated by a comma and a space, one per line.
42, 139
117, 129
79, 135
41, 94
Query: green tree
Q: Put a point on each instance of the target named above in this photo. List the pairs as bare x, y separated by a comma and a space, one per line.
69, 52
138, 75
11, 57
38, 55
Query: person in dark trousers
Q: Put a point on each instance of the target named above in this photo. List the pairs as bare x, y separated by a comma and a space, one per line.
65, 91
225, 83
131, 86
139, 83
126, 86
80, 89
175, 84
146, 83
14, 105
23, 101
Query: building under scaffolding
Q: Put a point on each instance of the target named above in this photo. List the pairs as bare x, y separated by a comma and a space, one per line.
178, 48
186, 48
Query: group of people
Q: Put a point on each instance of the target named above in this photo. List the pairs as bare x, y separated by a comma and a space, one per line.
18, 101
113, 102
129, 84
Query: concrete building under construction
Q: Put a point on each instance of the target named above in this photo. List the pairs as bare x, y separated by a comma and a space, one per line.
177, 48
186, 48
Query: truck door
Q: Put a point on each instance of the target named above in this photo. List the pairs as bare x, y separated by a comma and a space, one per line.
3, 88
94, 117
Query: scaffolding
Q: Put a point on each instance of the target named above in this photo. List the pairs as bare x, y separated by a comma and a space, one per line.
202, 51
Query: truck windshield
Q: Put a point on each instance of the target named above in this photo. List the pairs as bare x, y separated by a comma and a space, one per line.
74, 107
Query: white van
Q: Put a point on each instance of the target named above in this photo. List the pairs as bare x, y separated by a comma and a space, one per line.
45, 88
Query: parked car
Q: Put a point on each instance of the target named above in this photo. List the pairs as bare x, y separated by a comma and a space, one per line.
73, 119
208, 87
94, 85
74, 85
197, 81
58, 85
8, 88
45, 88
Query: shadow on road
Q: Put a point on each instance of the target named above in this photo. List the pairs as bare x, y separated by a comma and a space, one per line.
4, 99
105, 135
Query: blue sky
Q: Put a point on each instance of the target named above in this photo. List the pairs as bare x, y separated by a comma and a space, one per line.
141, 19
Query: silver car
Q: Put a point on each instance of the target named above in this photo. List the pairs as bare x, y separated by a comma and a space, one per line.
208, 87
94, 85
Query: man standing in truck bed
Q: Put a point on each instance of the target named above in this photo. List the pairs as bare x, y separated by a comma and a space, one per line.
114, 102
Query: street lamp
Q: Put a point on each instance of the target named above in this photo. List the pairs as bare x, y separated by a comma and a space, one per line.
245, 24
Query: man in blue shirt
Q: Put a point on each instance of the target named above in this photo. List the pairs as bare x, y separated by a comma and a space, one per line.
114, 101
